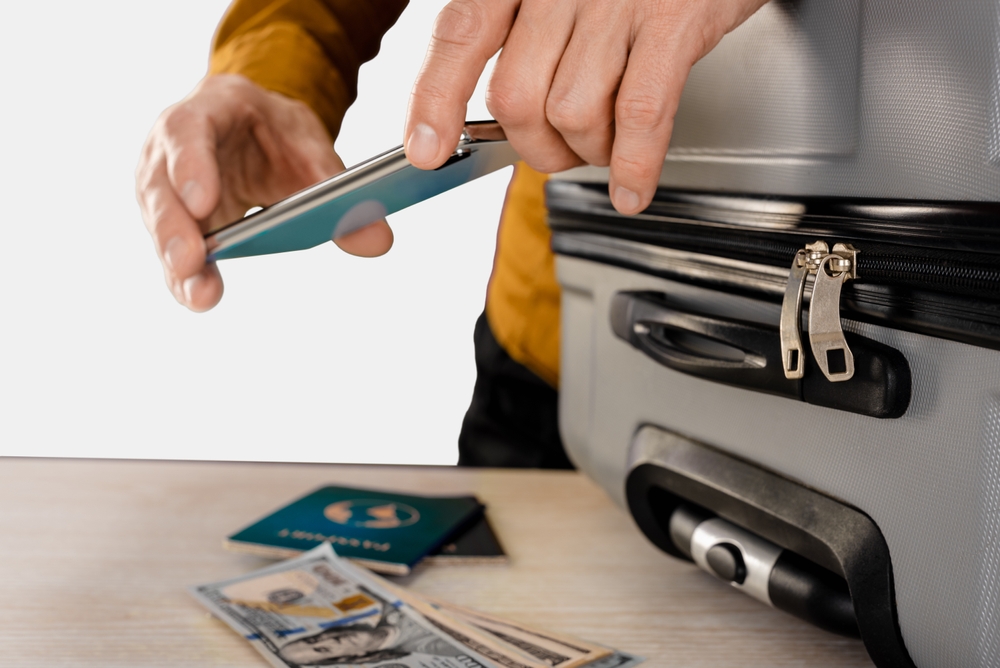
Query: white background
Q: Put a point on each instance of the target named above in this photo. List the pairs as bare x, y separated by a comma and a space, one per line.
311, 356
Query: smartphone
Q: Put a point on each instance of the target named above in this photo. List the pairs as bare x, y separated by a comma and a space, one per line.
359, 196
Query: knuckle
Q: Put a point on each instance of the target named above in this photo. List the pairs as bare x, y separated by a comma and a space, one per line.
509, 104
460, 23
599, 156
639, 111
154, 214
176, 119
551, 164
145, 183
569, 114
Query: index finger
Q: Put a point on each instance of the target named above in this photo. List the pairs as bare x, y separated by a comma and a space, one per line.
644, 120
466, 35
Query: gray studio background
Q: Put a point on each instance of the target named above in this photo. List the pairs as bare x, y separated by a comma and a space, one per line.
312, 356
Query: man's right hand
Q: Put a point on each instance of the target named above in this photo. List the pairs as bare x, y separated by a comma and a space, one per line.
227, 147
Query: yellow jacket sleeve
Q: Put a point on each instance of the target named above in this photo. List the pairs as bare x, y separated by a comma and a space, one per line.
309, 50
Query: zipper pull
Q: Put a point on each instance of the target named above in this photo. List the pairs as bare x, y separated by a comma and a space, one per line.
826, 335
805, 263
791, 318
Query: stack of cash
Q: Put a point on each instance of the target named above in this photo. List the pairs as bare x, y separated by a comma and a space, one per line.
320, 610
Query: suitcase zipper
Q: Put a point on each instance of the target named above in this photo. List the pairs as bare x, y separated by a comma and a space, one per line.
831, 270
926, 267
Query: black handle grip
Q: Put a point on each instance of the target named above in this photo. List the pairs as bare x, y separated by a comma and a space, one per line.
726, 351
748, 355
812, 593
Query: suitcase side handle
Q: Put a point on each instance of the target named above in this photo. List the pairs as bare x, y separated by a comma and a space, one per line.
748, 355
688, 498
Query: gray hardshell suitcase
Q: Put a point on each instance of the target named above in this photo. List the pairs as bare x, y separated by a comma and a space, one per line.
788, 367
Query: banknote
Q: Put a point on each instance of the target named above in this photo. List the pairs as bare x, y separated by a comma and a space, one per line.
458, 630
617, 659
320, 610
549, 648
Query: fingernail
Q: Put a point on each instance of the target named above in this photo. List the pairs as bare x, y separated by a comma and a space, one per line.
191, 284
422, 147
174, 252
192, 194
626, 200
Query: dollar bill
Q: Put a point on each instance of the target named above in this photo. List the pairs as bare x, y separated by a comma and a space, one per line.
549, 648
320, 610
468, 634
617, 659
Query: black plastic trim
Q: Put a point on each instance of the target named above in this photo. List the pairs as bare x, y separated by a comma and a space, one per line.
880, 387
965, 227
822, 530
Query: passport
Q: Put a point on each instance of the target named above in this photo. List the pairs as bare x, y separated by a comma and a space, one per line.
475, 545
384, 531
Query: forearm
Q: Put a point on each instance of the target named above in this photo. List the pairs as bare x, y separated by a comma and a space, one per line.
309, 50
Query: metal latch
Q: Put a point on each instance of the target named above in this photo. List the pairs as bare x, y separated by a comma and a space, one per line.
826, 336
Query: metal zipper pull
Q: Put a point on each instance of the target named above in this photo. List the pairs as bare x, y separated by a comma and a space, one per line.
791, 318
826, 335
805, 263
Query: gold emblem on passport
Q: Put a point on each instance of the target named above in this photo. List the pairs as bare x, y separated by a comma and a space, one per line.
371, 514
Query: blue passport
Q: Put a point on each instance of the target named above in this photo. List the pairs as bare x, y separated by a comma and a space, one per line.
384, 531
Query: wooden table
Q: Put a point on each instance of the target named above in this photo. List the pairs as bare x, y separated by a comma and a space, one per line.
95, 557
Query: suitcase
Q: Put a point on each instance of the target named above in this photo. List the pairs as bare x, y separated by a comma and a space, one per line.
788, 367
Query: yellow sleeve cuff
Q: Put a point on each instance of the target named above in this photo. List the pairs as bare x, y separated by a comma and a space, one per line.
283, 57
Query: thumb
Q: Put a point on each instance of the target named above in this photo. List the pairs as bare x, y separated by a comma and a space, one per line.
369, 241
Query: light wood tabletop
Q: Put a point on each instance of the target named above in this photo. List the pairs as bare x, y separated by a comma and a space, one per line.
95, 557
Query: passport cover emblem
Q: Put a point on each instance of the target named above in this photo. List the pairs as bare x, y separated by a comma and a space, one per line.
372, 513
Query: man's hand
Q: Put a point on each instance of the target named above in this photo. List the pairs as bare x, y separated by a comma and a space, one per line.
229, 146
578, 81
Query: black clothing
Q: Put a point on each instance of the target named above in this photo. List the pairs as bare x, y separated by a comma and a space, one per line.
513, 418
